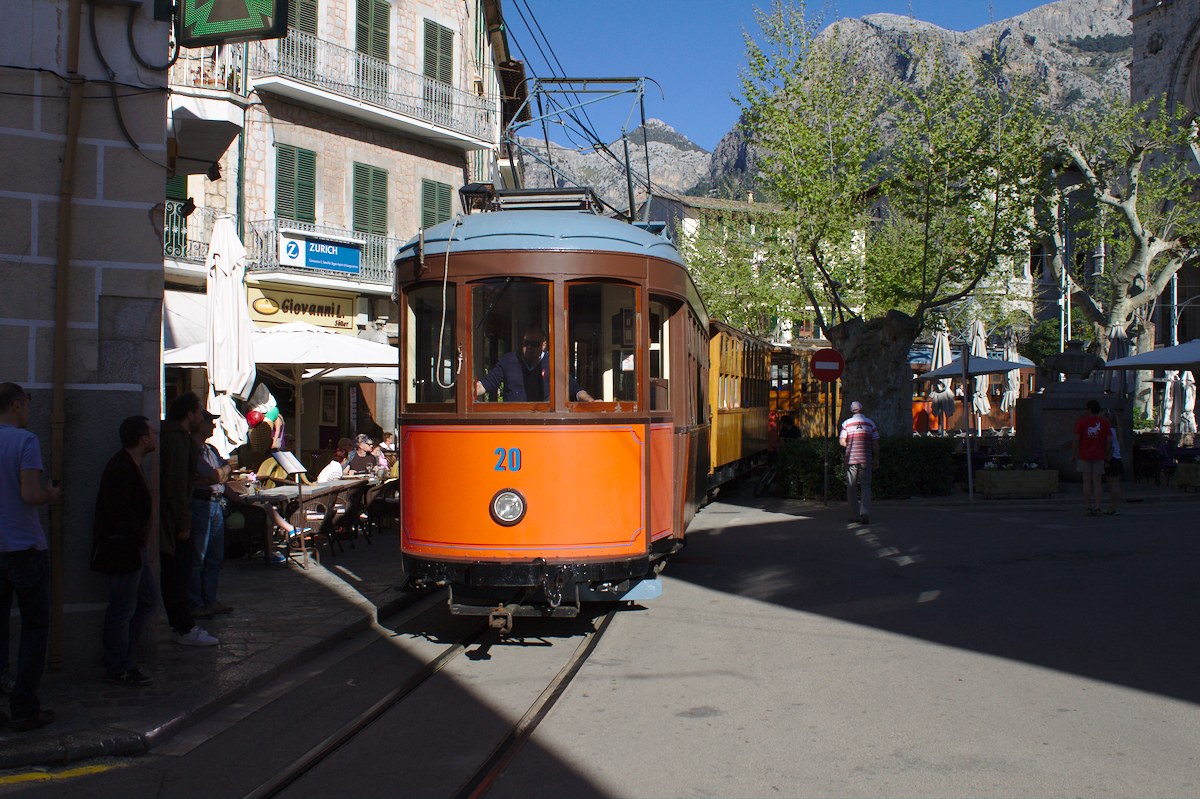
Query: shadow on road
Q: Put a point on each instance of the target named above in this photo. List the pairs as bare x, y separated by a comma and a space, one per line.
1111, 598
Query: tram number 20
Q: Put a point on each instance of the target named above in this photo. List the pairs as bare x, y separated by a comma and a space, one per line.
508, 460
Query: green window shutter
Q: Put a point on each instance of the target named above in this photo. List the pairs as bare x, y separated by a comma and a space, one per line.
439, 52
295, 183
306, 185
371, 28
370, 200
177, 187
302, 16
443, 202
285, 182
435, 203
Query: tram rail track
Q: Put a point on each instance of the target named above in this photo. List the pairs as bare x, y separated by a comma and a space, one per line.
493, 767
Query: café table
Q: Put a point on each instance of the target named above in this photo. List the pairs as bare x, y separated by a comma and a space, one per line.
295, 502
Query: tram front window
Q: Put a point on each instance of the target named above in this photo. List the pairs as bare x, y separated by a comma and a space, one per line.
431, 348
510, 357
602, 340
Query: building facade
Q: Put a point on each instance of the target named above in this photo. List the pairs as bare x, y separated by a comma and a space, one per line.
83, 131
1166, 60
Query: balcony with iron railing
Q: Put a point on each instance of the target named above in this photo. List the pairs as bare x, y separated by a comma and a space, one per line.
210, 69
320, 73
375, 268
186, 235
186, 240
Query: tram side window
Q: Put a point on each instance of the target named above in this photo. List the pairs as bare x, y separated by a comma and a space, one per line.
510, 359
602, 341
432, 350
660, 356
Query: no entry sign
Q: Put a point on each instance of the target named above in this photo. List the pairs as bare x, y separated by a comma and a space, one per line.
827, 365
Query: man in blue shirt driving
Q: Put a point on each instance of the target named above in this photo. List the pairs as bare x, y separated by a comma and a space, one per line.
526, 377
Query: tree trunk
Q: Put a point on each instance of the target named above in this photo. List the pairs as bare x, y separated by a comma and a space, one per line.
877, 372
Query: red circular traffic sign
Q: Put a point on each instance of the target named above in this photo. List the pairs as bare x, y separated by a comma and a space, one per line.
827, 364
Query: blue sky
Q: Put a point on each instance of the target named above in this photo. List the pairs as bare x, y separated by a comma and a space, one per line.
693, 48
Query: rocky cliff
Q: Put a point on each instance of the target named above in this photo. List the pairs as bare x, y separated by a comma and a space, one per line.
676, 163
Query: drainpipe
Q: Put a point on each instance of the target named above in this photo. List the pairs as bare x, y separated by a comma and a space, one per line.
241, 177
58, 416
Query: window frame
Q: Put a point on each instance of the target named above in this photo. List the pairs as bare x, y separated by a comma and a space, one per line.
474, 403
639, 347
408, 354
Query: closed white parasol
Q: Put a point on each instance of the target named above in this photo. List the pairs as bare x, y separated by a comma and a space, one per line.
942, 398
980, 403
229, 357
1012, 382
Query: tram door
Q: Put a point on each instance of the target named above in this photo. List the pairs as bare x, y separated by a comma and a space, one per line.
431, 367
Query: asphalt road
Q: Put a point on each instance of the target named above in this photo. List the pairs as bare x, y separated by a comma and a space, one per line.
1000, 650
995, 651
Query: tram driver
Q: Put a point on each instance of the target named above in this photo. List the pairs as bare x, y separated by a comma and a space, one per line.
526, 377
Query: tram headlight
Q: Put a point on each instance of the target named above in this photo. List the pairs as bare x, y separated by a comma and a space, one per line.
508, 507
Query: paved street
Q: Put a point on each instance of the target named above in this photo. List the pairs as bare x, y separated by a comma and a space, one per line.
997, 651
1005, 649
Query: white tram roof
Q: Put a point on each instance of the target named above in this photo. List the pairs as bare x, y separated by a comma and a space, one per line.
573, 231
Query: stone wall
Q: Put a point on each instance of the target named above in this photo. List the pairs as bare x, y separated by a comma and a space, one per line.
1166, 42
114, 276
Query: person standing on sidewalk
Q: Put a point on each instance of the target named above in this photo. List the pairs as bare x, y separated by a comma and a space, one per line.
1091, 448
860, 438
178, 456
208, 523
1114, 470
24, 557
121, 525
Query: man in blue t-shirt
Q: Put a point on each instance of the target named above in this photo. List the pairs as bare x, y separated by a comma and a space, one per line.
526, 377
24, 557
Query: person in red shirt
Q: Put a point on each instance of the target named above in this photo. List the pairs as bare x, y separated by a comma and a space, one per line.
1091, 449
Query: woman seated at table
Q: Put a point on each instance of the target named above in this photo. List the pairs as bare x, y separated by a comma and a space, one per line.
337, 464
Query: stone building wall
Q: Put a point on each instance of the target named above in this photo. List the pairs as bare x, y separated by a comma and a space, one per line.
115, 272
1166, 58
1166, 44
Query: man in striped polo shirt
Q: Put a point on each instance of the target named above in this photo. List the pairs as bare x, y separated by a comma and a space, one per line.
860, 438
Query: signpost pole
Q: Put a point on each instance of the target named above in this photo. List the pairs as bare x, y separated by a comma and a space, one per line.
828, 433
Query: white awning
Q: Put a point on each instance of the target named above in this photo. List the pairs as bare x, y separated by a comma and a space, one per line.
185, 316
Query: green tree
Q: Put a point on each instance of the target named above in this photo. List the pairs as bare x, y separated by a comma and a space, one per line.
901, 198
1119, 182
735, 260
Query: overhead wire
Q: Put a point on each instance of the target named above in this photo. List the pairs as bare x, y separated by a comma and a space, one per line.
587, 130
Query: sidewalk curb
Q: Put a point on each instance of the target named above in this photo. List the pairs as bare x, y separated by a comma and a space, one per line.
156, 725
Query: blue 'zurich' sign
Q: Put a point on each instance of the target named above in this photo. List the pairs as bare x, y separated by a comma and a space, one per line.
333, 256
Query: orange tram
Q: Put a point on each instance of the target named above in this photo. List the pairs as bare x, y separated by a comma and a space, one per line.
566, 407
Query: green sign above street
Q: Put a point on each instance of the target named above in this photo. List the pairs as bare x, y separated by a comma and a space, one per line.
207, 22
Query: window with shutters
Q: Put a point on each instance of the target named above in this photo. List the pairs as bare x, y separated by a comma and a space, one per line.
371, 41
435, 203
295, 183
439, 68
298, 52
370, 212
